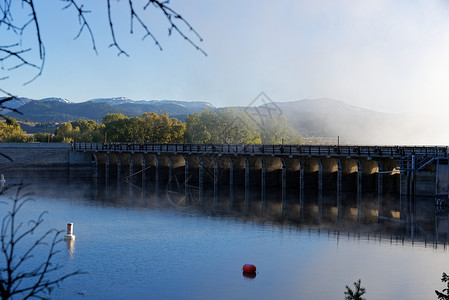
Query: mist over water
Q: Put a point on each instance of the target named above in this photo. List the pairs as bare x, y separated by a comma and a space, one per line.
400, 130
154, 242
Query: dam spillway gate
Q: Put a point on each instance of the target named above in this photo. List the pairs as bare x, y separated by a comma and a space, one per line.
406, 170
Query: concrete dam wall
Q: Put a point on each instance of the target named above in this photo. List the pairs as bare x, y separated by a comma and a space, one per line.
403, 170
41, 155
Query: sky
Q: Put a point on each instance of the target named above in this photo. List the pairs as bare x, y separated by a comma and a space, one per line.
388, 56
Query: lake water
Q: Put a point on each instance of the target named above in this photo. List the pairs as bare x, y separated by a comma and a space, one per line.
152, 243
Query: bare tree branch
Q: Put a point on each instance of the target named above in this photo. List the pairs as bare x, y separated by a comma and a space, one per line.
16, 279
82, 20
136, 16
111, 26
16, 55
170, 14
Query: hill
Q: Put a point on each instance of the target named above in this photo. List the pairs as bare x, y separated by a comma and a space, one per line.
354, 125
324, 118
61, 110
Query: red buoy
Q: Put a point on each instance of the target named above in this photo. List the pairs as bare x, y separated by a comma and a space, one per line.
248, 268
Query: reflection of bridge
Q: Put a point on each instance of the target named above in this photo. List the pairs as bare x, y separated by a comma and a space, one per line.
374, 217
407, 170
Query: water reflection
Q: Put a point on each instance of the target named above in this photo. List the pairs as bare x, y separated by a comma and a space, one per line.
387, 216
70, 247
249, 275
369, 216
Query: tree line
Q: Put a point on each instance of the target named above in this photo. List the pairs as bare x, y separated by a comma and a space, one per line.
225, 126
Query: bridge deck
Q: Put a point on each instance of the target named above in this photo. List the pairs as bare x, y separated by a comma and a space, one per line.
392, 152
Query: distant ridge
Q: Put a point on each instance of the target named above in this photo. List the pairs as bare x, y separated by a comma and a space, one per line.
321, 117
62, 110
16, 102
124, 100
55, 99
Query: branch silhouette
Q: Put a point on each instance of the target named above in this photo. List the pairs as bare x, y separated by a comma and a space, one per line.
18, 54
355, 294
444, 294
17, 278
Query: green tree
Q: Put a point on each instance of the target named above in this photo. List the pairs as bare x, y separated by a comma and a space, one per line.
12, 122
43, 137
81, 131
235, 128
87, 131
224, 126
112, 117
10, 132
196, 130
177, 130
161, 128
277, 130
124, 130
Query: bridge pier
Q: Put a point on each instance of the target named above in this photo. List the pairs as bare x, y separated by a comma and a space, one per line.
138, 166
148, 172
388, 176
263, 177
310, 173
368, 178
409, 170
156, 170
442, 177
328, 170
106, 169
177, 168
238, 170
209, 163
200, 172
113, 164
349, 175
216, 175
320, 174
339, 177
192, 170
273, 171
163, 167
222, 175
130, 166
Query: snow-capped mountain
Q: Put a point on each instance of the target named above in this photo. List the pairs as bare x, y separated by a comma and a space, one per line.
16, 102
112, 101
63, 110
55, 99
124, 100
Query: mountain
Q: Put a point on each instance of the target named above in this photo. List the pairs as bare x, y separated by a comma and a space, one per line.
112, 101
20, 101
324, 118
354, 125
62, 110
16, 102
56, 99
57, 111
332, 118
124, 100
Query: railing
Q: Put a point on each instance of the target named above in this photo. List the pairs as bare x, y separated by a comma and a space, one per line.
282, 150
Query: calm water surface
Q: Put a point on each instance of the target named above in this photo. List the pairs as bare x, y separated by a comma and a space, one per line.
152, 243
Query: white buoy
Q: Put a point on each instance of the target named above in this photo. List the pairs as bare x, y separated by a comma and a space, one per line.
2, 178
69, 235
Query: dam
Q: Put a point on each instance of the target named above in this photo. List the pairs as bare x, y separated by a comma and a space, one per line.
407, 170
